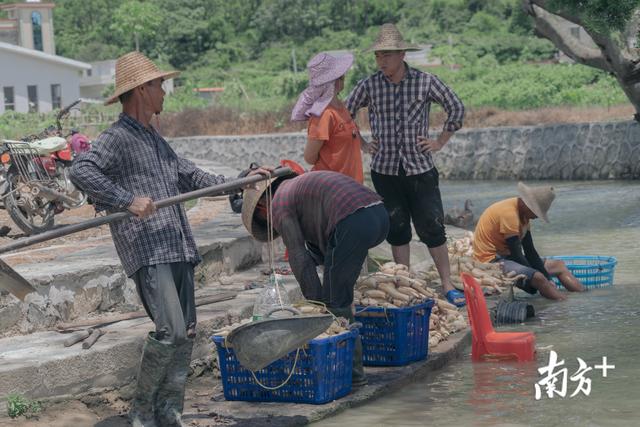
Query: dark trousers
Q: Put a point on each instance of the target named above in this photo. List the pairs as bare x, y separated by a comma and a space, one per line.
417, 198
168, 296
346, 251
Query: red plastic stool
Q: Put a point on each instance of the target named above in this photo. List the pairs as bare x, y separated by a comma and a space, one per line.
487, 344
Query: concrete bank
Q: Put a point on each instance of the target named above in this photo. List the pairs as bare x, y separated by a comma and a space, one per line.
76, 280
567, 151
40, 367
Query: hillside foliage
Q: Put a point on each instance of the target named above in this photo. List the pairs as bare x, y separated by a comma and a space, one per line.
257, 49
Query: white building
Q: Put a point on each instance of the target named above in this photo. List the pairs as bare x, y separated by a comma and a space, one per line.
99, 77
32, 77
33, 81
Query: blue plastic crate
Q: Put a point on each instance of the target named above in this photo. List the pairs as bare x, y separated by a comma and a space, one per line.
322, 373
394, 336
592, 271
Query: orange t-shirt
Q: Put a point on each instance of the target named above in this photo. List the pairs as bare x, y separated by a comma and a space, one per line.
341, 149
499, 220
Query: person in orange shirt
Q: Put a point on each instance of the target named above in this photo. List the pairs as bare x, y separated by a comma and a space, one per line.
334, 141
503, 234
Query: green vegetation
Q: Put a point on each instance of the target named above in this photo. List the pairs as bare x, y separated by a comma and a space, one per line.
94, 119
252, 48
600, 15
18, 405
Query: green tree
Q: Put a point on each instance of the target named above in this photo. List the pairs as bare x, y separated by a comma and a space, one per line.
79, 24
192, 28
136, 21
608, 27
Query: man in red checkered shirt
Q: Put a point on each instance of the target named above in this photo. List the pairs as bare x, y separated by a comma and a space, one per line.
325, 218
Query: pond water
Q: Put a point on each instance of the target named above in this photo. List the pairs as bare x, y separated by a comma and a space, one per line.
587, 218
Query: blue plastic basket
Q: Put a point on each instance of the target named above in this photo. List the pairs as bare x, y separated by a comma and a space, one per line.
592, 271
322, 373
394, 336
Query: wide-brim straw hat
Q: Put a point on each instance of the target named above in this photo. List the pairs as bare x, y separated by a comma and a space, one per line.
324, 68
250, 199
538, 199
135, 69
390, 39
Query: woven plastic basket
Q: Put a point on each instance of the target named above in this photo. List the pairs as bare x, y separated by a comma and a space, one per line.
394, 336
592, 271
322, 373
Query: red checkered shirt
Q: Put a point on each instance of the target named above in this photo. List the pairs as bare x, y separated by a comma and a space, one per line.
306, 210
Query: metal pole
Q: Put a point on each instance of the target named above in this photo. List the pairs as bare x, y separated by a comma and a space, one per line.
214, 190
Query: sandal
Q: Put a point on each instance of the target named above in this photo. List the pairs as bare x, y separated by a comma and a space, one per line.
454, 295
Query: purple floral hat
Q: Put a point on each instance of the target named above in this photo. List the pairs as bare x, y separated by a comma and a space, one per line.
323, 70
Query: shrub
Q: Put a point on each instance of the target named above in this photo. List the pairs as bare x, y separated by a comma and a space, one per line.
18, 405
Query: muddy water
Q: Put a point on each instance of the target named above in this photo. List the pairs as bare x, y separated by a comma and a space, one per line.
590, 218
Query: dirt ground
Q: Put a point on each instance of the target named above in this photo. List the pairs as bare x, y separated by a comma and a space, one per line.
110, 409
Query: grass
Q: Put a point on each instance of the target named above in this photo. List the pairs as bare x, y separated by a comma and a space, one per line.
18, 405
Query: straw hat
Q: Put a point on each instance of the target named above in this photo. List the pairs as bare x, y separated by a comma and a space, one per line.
250, 198
324, 68
538, 199
390, 39
133, 70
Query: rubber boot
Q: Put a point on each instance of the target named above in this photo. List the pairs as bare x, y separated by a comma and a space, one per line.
170, 399
358, 377
156, 357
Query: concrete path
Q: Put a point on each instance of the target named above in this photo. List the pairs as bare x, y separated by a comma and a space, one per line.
91, 384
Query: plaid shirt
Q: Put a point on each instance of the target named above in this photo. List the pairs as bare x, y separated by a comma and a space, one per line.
130, 160
306, 210
399, 113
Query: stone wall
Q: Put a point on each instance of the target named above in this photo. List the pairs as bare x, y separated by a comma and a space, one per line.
564, 151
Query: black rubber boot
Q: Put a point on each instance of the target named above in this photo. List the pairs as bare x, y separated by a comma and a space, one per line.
358, 377
170, 399
156, 357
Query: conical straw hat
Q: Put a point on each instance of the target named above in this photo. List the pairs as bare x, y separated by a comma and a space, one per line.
133, 70
538, 199
250, 199
390, 39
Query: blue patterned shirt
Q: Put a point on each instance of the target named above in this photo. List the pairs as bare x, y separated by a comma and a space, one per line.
130, 160
399, 113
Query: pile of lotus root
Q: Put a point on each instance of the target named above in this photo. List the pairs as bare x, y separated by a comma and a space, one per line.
489, 275
394, 286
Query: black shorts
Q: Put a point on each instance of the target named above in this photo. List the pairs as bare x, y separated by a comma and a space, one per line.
417, 198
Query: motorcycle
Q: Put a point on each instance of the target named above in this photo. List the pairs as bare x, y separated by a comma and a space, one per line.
35, 184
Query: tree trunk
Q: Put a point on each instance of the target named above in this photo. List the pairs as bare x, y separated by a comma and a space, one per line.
599, 51
633, 94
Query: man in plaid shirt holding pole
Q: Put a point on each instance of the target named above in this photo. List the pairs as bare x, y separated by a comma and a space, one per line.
128, 168
398, 99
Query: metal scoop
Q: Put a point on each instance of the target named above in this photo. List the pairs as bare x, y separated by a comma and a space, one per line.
258, 344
